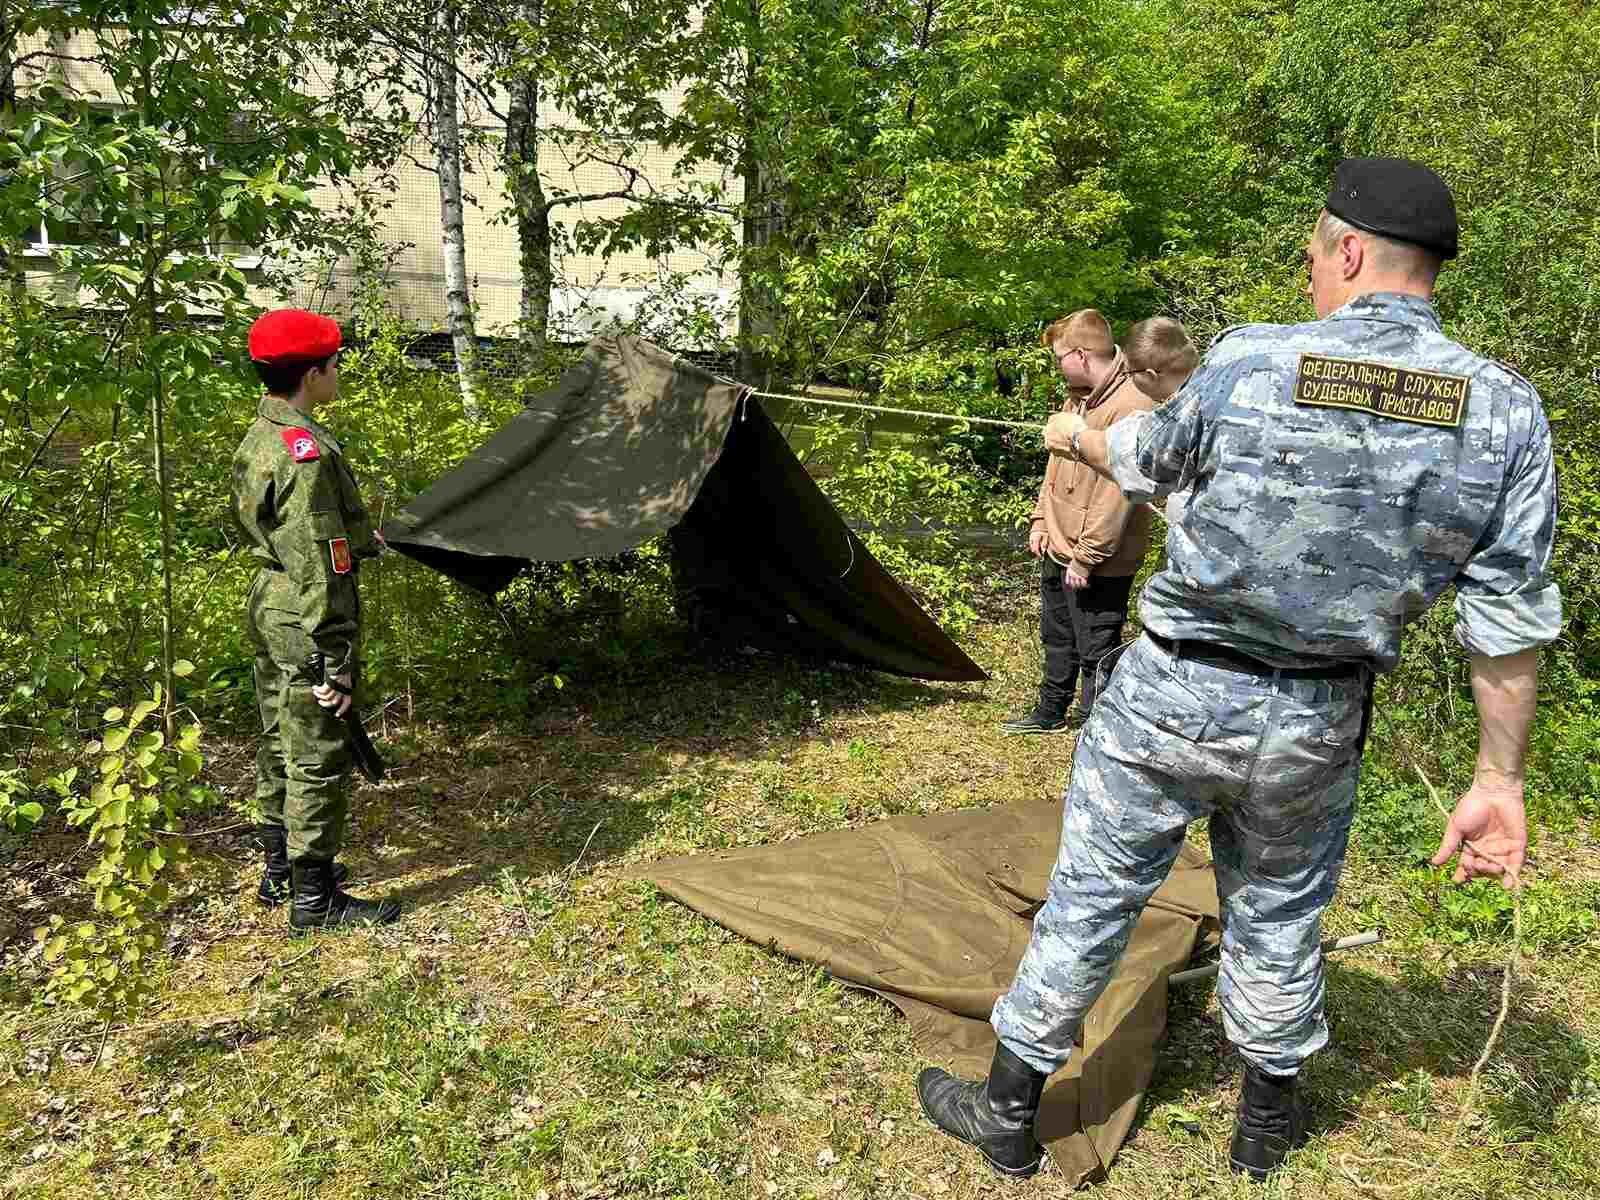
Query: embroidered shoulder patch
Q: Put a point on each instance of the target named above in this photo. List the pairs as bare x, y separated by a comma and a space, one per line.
1399, 393
339, 555
301, 445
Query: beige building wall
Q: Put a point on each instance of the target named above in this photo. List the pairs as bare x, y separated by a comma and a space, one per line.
592, 291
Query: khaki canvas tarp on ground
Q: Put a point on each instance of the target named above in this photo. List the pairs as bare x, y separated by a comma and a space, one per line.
633, 443
934, 913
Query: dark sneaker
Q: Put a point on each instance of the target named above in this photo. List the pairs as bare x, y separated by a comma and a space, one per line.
1036, 722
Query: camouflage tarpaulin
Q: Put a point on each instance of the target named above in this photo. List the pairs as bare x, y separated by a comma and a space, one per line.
933, 913
634, 442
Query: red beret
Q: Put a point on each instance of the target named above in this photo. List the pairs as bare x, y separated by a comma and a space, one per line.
293, 335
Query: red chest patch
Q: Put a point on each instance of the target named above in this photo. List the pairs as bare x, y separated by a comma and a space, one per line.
301, 445
339, 555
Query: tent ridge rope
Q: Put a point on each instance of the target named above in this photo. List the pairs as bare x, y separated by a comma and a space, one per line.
749, 391
956, 418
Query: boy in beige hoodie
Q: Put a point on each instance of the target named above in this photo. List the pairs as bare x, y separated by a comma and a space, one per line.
1089, 540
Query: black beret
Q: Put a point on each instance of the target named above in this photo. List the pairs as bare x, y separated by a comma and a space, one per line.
1398, 199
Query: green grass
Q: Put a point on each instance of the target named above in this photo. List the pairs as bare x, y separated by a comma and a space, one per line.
542, 1024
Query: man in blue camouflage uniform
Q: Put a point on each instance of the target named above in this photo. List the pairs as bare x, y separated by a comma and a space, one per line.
1340, 474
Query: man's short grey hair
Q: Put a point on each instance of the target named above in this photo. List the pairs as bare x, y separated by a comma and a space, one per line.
1388, 255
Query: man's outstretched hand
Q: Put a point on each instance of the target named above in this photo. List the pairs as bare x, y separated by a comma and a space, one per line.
1058, 431
1490, 816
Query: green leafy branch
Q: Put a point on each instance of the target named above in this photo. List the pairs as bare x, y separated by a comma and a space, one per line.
141, 786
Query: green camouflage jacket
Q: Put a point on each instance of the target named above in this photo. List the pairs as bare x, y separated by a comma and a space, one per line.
301, 513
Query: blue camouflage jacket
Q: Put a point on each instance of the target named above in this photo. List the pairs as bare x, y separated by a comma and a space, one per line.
1340, 475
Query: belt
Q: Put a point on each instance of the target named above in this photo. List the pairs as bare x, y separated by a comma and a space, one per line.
1236, 660
277, 570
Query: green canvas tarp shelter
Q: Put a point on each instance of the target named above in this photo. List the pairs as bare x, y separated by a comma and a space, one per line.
933, 913
634, 442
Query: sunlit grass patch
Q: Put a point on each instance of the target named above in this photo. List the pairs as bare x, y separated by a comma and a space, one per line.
543, 1022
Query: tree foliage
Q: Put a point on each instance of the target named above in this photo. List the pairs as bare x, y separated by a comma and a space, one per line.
906, 189
156, 145
1502, 99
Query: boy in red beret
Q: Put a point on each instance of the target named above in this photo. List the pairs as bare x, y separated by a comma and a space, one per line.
304, 522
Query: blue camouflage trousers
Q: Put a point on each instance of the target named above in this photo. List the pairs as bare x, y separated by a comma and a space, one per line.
1273, 762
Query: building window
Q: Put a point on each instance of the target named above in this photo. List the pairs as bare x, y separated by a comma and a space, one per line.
81, 218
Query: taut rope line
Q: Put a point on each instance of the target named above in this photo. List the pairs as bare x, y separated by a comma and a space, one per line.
1030, 426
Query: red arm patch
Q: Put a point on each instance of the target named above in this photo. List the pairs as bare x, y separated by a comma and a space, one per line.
339, 554
301, 445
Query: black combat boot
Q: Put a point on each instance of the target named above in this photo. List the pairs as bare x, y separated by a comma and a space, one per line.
319, 904
996, 1115
274, 889
1270, 1123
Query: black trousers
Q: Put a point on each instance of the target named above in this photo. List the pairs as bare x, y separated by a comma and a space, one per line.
1078, 629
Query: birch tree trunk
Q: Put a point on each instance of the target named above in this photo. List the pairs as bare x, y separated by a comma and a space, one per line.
530, 205
447, 152
753, 317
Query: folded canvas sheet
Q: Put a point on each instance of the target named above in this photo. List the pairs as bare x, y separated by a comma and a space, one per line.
933, 913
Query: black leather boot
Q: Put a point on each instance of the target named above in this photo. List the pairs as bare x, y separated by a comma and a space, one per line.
1270, 1124
996, 1115
274, 842
319, 904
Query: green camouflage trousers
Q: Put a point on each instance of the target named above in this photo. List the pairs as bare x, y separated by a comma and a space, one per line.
303, 764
